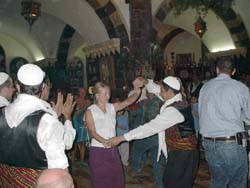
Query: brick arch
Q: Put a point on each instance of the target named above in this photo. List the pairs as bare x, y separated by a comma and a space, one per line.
232, 21
236, 27
111, 19
169, 36
63, 47
109, 15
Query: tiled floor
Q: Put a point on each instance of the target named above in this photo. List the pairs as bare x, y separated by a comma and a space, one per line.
80, 172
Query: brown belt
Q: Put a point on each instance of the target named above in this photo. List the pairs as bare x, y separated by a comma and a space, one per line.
220, 138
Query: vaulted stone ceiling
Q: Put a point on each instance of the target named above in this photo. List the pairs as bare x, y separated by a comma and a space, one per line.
94, 21
224, 31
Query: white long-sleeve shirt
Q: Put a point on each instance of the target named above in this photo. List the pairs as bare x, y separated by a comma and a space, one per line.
168, 117
53, 137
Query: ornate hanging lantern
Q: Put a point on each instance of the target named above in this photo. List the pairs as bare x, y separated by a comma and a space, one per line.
200, 27
31, 11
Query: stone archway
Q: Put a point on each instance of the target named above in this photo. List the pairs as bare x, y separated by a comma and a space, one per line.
233, 22
63, 46
110, 17
169, 36
236, 27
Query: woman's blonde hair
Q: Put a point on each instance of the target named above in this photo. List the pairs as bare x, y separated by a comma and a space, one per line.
97, 88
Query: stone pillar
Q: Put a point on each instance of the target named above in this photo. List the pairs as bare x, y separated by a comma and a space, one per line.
140, 29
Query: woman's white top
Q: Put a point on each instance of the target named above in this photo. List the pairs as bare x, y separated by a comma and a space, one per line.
104, 122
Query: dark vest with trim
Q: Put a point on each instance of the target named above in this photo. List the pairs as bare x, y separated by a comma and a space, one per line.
19, 146
182, 135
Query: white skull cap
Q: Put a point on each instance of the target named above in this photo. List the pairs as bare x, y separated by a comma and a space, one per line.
30, 75
3, 77
172, 82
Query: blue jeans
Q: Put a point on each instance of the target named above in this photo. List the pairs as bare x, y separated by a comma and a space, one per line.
227, 163
139, 148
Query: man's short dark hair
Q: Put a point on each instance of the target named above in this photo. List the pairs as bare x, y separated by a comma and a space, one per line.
31, 90
226, 65
46, 79
167, 87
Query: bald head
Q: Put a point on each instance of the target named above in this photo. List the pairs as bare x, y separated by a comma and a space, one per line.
55, 178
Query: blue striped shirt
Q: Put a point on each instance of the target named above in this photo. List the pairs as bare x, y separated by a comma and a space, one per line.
224, 104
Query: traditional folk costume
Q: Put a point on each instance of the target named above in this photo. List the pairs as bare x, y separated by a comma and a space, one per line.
182, 148
32, 137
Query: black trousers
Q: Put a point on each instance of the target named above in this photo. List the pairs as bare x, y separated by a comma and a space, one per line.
181, 169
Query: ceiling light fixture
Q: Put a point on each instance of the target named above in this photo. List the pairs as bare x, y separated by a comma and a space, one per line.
31, 11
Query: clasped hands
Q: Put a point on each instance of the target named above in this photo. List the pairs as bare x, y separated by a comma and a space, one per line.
112, 142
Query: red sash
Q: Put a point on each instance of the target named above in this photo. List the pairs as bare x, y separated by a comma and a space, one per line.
17, 177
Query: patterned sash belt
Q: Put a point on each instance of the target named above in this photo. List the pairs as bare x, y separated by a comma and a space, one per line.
174, 140
16, 177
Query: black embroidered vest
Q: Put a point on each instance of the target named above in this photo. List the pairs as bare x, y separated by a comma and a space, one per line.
182, 135
19, 146
186, 128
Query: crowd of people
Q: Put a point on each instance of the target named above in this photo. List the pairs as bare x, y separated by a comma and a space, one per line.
161, 119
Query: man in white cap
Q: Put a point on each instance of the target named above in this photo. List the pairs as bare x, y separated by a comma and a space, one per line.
32, 137
175, 119
6, 89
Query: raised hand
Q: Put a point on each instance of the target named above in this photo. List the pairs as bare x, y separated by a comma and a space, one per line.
68, 107
139, 82
59, 104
